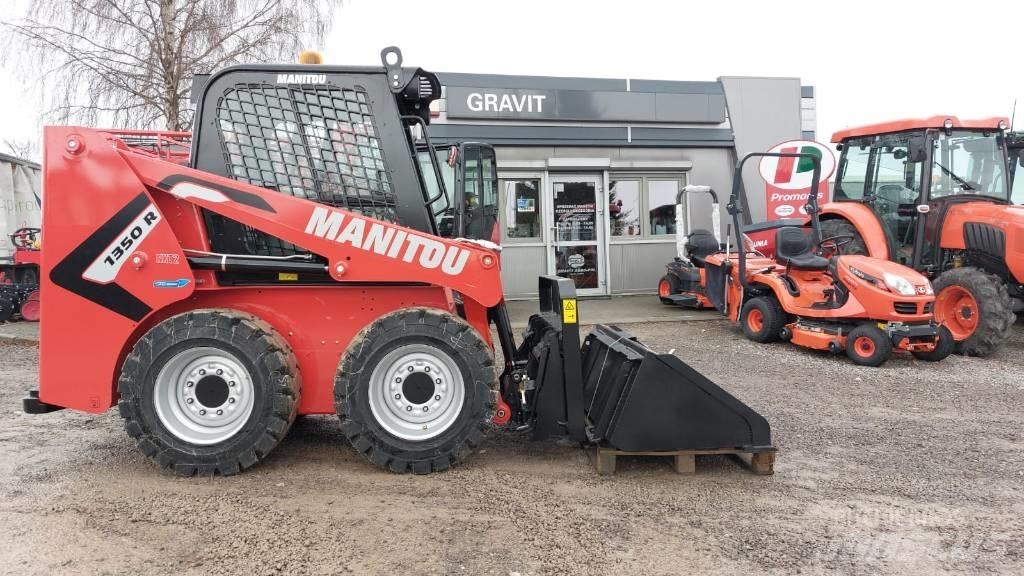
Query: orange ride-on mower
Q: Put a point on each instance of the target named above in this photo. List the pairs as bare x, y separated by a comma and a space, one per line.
683, 282
813, 295
935, 194
296, 265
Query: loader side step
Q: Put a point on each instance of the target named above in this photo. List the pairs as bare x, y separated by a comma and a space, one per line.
760, 462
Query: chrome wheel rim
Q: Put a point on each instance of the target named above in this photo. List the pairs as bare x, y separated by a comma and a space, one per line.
203, 395
416, 392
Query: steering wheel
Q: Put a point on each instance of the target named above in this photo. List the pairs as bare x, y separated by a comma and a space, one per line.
834, 244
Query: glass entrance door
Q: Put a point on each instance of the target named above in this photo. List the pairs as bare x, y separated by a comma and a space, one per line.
577, 232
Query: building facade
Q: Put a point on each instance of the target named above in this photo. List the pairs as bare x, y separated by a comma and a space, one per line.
589, 168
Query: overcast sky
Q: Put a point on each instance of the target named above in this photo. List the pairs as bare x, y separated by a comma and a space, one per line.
870, 60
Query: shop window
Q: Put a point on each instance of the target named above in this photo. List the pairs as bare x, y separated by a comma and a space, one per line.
661, 205
521, 214
624, 207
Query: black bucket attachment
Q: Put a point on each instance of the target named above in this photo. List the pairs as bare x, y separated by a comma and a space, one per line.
639, 401
616, 391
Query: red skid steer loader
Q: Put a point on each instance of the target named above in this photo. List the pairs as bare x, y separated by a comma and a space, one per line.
294, 266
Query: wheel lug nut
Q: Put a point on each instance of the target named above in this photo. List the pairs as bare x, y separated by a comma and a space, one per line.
426, 369
202, 412
220, 412
398, 380
190, 384
202, 372
190, 400
438, 381
398, 396
438, 397
232, 383
410, 368
425, 408
408, 408
231, 400
219, 372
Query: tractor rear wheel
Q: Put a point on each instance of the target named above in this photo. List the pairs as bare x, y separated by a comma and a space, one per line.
209, 392
975, 307
841, 227
414, 390
868, 345
667, 286
763, 319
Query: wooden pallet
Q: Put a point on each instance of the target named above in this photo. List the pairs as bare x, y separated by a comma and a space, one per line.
762, 463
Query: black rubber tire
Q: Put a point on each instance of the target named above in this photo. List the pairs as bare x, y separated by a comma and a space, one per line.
995, 310
269, 361
673, 284
435, 328
943, 348
882, 349
842, 227
772, 323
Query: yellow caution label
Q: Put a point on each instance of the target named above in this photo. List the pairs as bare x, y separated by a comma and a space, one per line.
568, 310
287, 276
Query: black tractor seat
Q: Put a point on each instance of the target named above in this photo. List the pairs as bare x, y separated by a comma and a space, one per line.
794, 248
699, 245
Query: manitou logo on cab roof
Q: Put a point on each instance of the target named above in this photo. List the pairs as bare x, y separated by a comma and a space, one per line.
301, 78
487, 102
390, 242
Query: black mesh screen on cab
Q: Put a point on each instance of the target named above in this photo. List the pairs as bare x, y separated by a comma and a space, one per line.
317, 142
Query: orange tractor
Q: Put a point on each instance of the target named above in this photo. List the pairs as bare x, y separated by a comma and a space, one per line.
810, 293
934, 194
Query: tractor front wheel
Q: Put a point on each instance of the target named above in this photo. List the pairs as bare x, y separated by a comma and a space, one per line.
868, 345
975, 307
414, 390
944, 345
209, 392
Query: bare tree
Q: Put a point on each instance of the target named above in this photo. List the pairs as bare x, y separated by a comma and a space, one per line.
130, 62
24, 149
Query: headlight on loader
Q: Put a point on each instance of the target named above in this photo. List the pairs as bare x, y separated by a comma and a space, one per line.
898, 284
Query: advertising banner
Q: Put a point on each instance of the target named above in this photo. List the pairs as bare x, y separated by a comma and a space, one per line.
788, 184
19, 201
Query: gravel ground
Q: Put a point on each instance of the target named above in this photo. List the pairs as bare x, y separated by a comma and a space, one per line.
912, 468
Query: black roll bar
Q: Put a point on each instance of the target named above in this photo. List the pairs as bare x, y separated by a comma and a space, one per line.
735, 209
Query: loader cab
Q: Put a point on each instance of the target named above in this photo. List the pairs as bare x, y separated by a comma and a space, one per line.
345, 137
909, 177
462, 180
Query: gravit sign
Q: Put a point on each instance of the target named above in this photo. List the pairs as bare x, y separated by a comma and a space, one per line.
582, 105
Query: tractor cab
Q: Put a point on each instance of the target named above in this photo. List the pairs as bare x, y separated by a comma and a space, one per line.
909, 172
1015, 150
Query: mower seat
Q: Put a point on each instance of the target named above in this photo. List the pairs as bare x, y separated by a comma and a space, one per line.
794, 248
699, 245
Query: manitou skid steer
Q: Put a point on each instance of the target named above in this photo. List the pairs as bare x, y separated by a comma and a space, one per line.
293, 266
